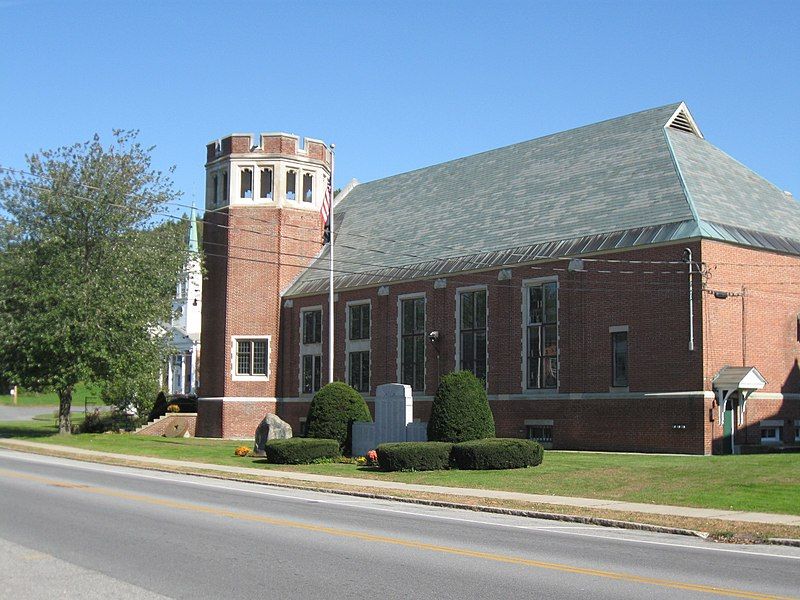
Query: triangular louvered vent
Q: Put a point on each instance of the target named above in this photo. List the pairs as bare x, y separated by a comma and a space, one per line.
682, 121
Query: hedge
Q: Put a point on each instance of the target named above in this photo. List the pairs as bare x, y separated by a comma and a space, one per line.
300, 451
460, 410
333, 410
497, 453
414, 456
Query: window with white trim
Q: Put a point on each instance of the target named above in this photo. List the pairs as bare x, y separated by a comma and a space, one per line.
412, 342
358, 345
771, 432
541, 335
619, 357
472, 332
225, 187
214, 185
312, 326
359, 322
251, 357
246, 183
359, 370
310, 350
265, 183
312, 373
308, 187
291, 184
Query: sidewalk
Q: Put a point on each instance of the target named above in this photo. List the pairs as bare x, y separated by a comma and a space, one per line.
454, 493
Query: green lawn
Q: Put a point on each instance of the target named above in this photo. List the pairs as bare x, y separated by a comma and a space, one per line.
80, 394
758, 482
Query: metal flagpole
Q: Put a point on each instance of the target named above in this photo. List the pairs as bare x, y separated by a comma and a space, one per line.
330, 274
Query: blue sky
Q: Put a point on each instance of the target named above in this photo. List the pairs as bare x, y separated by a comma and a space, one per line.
396, 85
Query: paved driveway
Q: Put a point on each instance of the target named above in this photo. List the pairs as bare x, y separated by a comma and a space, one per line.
24, 413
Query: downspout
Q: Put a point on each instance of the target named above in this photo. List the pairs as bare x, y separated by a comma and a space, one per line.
688, 259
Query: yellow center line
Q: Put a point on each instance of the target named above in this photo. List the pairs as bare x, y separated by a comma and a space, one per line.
367, 537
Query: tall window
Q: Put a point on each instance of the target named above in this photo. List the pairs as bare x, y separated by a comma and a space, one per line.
358, 346
246, 181
225, 186
308, 187
265, 189
252, 356
542, 335
291, 184
412, 342
215, 189
312, 327
311, 351
472, 332
312, 373
619, 359
359, 370
359, 322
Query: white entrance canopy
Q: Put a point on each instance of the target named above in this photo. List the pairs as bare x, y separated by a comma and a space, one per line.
744, 380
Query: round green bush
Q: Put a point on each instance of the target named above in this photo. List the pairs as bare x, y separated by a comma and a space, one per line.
460, 410
300, 451
414, 456
497, 453
332, 413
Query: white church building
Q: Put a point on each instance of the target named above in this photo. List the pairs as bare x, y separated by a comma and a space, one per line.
181, 373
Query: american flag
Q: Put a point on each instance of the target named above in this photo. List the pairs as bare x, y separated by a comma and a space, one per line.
325, 210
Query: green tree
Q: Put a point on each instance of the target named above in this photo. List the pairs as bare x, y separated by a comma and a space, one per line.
333, 410
87, 271
460, 410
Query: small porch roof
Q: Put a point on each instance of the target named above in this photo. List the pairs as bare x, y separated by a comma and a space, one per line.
739, 378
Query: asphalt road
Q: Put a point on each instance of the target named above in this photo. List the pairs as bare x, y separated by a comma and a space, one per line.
127, 533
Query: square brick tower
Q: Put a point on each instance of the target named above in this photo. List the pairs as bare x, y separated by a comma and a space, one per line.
261, 229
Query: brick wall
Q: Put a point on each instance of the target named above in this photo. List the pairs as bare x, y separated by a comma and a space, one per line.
755, 326
159, 426
653, 304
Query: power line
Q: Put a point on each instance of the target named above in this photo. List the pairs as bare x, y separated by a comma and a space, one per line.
353, 234
405, 268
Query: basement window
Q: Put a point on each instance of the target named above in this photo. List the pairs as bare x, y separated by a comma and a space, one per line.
540, 430
797, 431
771, 432
291, 184
308, 187
247, 183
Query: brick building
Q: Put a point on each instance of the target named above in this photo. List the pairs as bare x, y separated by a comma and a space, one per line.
601, 280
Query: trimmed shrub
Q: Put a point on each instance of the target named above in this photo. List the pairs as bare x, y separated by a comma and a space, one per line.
497, 453
460, 410
300, 451
332, 413
414, 456
110, 420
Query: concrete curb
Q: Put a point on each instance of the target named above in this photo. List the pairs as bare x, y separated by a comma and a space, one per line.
218, 472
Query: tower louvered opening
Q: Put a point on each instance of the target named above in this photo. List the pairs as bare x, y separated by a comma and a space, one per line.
682, 121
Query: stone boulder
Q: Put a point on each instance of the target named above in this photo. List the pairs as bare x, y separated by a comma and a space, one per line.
271, 428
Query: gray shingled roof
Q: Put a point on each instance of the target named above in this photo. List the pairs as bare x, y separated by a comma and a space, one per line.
619, 183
